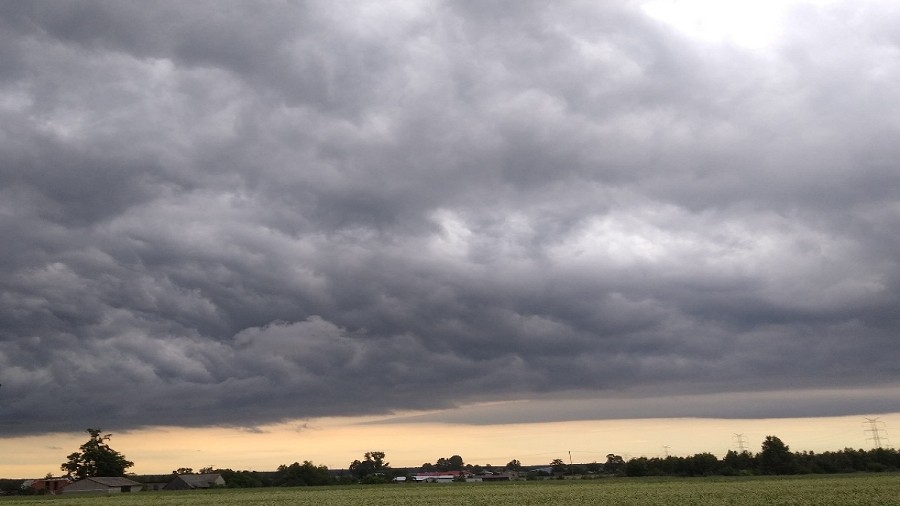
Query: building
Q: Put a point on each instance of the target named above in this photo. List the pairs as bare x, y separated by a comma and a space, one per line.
195, 481
491, 477
103, 485
50, 485
437, 476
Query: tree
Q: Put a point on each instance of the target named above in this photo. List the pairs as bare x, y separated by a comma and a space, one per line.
373, 465
243, 479
96, 458
301, 475
183, 470
614, 464
474, 469
738, 463
776, 457
637, 467
704, 464
514, 465
559, 467
454, 463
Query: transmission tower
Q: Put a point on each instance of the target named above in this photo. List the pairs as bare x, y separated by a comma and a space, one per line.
876, 427
666, 449
742, 446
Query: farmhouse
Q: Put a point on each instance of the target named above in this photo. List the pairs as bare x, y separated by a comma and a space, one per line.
194, 481
103, 485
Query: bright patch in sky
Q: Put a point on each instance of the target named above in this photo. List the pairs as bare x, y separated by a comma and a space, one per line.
751, 24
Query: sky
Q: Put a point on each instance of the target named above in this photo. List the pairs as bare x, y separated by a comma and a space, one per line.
378, 218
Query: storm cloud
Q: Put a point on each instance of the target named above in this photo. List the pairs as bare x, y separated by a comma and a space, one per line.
223, 213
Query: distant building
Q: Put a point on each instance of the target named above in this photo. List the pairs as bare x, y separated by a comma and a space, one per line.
105, 485
195, 481
51, 485
437, 476
491, 477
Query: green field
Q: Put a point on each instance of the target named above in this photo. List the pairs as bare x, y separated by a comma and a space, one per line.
859, 489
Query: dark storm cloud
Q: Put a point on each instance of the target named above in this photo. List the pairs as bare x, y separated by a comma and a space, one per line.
222, 214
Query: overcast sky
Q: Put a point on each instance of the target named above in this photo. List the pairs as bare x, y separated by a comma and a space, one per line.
233, 213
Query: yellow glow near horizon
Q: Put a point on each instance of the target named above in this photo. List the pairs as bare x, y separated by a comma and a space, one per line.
337, 442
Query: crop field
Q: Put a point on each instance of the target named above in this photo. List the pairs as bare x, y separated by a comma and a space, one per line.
862, 489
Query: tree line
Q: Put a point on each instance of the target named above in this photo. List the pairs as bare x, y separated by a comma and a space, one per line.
775, 458
96, 458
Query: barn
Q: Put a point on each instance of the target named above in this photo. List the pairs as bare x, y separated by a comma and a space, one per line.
103, 485
195, 481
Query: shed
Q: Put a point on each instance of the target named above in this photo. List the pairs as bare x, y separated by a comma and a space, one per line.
102, 484
194, 481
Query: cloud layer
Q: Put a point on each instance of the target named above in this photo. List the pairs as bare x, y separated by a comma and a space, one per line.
218, 214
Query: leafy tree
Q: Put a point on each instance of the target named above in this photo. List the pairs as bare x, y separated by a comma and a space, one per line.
637, 467
514, 465
559, 467
454, 463
373, 464
96, 458
184, 470
738, 463
704, 464
14, 487
301, 475
776, 457
241, 479
476, 469
614, 464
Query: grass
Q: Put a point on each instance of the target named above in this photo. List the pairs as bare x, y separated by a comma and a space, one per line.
857, 489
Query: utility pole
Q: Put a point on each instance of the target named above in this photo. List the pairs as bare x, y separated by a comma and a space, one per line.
875, 428
742, 447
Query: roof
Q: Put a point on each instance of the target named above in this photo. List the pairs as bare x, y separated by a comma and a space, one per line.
199, 480
112, 481
439, 473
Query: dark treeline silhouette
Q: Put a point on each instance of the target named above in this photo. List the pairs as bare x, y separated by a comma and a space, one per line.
775, 458
847, 460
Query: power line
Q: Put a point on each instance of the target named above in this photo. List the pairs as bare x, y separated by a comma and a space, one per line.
876, 428
741, 444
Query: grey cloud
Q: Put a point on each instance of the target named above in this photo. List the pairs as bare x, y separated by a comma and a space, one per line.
734, 405
217, 215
